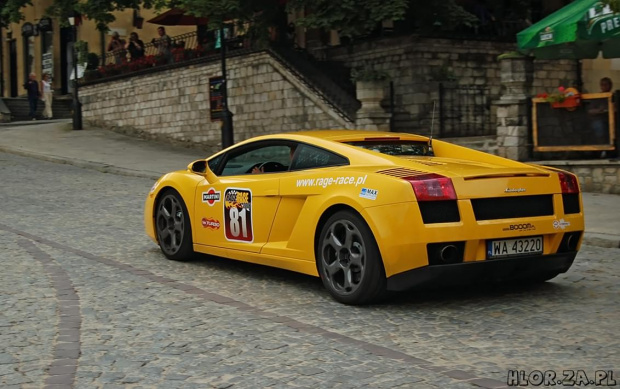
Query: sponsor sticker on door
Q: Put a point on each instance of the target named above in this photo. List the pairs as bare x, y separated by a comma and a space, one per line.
211, 196
238, 215
370, 194
212, 224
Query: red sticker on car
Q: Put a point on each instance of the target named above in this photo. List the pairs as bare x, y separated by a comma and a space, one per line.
238, 215
211, 196
212, 224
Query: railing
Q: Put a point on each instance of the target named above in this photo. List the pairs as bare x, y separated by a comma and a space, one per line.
335, 95
465, 111
181, 48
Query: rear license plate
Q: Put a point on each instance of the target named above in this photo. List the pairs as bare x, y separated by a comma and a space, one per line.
511, 247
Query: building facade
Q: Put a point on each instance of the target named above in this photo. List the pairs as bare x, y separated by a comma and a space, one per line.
39, 44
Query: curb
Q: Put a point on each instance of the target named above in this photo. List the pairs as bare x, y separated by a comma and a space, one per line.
98, 166
601, 240
22, 123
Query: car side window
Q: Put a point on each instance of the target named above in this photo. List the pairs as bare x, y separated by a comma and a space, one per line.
214, 163
310, 157
267, 159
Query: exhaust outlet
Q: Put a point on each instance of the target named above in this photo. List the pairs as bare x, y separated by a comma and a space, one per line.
445, 253
571, 242
449, 254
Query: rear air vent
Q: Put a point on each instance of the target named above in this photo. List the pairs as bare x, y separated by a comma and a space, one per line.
401, 172
430, 163
512, 207
571, 202
439, 211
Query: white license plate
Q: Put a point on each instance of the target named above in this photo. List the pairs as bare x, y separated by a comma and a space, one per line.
511, 247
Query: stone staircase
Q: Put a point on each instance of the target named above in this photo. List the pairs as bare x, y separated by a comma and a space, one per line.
326, 79
20, 108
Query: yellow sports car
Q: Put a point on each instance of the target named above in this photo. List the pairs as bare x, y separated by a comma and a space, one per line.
370, 212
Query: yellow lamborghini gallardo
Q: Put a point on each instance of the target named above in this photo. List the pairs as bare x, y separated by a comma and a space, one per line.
370, 212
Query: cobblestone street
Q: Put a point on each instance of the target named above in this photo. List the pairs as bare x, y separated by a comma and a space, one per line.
89, 301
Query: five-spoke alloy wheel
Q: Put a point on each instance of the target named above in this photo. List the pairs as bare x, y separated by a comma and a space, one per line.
349, 261
174, 230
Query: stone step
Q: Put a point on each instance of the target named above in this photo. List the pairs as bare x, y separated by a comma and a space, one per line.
20, 108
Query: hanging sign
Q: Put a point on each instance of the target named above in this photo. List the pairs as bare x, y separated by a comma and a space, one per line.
216, 98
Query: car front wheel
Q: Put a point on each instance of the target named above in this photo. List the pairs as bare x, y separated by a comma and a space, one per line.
174, 231
349, 261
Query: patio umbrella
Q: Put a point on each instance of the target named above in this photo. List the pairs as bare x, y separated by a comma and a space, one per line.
579, 30
178, 17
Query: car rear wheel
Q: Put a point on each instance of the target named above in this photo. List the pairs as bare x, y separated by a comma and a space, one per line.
174, 231
349, 261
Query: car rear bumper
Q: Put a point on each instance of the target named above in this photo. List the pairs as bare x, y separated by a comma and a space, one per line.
482, 271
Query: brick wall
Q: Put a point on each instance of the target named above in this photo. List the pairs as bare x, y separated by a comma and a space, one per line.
602, 176
173, 105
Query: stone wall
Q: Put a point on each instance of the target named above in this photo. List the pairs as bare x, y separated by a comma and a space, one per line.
601, 176
417, 65
173, 105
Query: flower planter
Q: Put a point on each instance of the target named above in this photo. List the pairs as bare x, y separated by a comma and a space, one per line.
568, 103
370, 94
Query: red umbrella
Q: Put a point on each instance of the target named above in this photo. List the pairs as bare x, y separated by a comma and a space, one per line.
178, 17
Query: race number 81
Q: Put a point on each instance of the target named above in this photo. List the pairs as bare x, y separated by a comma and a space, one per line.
238, 215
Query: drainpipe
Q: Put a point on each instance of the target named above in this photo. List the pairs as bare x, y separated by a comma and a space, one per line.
102, 41
1, 63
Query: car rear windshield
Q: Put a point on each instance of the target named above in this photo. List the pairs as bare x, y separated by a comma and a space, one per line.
394, 147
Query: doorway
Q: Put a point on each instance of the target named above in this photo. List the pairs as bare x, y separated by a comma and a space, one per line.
13, 66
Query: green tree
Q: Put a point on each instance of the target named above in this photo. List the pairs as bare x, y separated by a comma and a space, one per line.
98, 10
444, 15
350, 17
254, 16
10, 11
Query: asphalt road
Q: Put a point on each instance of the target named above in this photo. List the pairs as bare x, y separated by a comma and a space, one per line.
89, 301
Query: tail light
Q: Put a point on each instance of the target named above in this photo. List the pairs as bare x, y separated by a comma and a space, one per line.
432, 187
568, 182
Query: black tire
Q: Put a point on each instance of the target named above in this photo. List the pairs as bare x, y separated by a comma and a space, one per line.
173, 226
348, 260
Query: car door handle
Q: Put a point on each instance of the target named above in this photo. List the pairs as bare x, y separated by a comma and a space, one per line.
271, 193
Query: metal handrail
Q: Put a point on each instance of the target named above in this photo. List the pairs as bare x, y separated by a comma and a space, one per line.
343, 103
188, 41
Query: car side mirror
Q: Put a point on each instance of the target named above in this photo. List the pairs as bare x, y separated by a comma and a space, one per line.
201, 167
198, 167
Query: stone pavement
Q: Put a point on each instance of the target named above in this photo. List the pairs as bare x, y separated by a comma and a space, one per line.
115, 153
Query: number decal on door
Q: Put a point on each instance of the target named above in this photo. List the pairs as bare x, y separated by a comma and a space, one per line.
238, 215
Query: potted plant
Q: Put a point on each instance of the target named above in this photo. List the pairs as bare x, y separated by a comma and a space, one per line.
568, 98
370, 86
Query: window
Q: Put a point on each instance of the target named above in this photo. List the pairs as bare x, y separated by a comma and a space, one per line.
309, 157
28, 57
269, 158
215, 163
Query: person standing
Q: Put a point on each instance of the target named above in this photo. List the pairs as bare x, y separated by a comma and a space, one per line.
135, 46
599, 115
34, 94
117, 46
46, 88
163, 43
